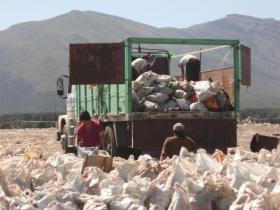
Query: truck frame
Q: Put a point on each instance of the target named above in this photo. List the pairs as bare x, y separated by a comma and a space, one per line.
108, 67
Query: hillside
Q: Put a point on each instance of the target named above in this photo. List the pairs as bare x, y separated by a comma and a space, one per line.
34, 54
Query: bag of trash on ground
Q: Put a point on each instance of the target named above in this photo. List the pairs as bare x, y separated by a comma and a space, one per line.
83, 152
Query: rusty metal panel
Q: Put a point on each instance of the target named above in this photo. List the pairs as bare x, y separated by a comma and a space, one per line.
225, 77
97, 63
245, 65
208, 133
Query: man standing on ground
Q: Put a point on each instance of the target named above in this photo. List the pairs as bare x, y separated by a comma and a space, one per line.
89, 133
172, 145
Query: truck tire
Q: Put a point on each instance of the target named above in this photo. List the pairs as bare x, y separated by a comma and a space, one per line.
109, 143
58, 136
64, 141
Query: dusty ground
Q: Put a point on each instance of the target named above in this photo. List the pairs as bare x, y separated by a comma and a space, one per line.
15, 142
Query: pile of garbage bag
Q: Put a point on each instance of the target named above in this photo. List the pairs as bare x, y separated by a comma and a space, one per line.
154, 92
243, 180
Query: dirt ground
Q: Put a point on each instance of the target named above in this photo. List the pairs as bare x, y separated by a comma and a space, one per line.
16, 141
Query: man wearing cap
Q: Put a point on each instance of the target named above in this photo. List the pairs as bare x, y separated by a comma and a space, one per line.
191, 64
140, 65
172, 145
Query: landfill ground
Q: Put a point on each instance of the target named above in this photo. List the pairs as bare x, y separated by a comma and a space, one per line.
17, 140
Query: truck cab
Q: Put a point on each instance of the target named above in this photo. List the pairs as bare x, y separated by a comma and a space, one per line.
100, 81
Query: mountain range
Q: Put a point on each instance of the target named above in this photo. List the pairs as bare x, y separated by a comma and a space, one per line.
34, 54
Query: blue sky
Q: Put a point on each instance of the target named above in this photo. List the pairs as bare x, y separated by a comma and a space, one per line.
159, 13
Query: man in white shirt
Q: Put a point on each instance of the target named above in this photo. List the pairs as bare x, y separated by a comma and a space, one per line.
140, 65
192, 65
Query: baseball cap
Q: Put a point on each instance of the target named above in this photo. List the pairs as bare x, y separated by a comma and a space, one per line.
178, 127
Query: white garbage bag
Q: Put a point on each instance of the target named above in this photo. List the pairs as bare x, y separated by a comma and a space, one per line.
136, 85
180, 94
147, 78
157, 98
205, 162
186, 86
198, 106
165, 90
144, 91
180, 199
205, 90
150, 106
164, 78
183, 104
169, 105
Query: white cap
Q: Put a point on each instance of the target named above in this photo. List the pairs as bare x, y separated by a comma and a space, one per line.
138, 64
184, 60
178, 127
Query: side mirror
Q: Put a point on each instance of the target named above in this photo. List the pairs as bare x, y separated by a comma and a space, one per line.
60, 87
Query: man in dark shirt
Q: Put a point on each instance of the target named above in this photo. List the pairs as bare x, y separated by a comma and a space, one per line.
172, 145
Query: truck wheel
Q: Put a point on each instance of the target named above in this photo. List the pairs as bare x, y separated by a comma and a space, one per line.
58, 136
109, 143
64, 141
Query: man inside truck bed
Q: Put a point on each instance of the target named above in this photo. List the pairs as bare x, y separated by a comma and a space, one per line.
89, 133
143, 64
191, 64
172, 145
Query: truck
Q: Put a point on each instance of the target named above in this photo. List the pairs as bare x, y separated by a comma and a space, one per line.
100, 81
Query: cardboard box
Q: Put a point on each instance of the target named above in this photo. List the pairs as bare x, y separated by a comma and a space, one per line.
102, 162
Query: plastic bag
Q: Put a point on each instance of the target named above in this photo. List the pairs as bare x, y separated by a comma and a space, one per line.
183, 104
151, 106
144, 91
164, 78
147, 78
186, 86
83, 152
165, 90
205, 162
198, 106
157, 98
136, 85
205, 90
180, 94
169, 105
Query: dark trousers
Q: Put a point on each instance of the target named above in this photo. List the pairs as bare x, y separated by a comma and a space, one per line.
193, 70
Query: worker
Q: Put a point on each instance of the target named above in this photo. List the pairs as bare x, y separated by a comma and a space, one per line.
140, 65
191, 64
143, 64
172, 145
89, 132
